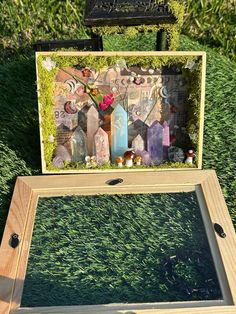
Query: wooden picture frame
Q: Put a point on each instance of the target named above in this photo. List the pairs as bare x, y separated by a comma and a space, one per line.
20, 221
53, 116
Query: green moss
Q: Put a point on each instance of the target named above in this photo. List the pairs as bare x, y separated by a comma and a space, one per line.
82, 166
172, 30
46, 86
47, 125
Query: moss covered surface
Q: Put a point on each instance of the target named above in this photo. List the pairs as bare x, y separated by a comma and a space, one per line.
113, 248
172, 30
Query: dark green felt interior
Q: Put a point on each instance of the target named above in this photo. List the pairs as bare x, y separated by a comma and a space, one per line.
119, 248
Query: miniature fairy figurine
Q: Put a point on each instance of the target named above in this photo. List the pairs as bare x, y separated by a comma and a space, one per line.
190, 155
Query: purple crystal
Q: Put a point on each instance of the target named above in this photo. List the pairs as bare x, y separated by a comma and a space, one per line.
155, 142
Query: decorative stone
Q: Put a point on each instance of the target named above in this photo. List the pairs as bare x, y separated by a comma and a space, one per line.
64, 137
58, 162
146, 160
138, 143
136, 128
129, 156
166, 134
63, 153
119, 132
176, 154
79, 146
92, 127
155, 142
166, 139
106, 126
102, 151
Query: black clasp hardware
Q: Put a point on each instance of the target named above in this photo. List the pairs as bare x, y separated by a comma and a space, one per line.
14, 240
114, 181
219, 230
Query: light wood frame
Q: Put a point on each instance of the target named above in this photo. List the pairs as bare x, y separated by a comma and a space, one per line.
201, 54
13, 262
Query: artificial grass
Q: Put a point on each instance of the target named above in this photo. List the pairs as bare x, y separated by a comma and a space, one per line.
119, 248
23, 22
19, 130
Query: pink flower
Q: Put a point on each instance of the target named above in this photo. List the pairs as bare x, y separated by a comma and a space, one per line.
106, 102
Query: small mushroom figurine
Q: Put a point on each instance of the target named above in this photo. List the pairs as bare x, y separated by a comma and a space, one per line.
119, 161
190, 155
129, 156
138, 160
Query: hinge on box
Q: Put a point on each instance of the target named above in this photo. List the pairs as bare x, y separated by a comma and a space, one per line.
219, 230
14, 240
114, 181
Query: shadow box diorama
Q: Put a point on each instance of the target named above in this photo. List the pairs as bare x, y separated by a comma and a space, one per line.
132, 110
90, 244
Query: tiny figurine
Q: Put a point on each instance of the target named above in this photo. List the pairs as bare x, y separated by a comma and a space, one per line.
129, 156
190, 155
90, 162
119, 161
138, 160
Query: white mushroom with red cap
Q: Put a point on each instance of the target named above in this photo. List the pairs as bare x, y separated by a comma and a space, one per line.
190, 155
129, 156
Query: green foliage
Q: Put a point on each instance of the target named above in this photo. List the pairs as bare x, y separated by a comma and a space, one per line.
10, 167
113, 248
220, 113
23, 22
212, 22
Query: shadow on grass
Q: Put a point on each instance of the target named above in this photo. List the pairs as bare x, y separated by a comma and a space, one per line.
19, 131
18, 105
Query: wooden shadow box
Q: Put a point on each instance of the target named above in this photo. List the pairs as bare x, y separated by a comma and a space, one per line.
140, 243
113, 111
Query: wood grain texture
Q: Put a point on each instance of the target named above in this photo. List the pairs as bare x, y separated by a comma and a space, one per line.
23, 259
109, 310
9, 257
201, 115
21, 219
133, 180
218, 213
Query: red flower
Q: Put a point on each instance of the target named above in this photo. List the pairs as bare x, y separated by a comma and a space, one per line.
106, 102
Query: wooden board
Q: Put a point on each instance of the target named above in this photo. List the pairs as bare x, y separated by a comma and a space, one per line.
21, 216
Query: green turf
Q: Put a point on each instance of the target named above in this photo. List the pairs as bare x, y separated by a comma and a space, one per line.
119, 248
19, 130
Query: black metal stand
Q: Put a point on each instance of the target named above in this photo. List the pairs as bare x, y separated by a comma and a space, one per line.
161, 42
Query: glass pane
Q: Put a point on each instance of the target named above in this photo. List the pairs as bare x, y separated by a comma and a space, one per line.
119, 248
